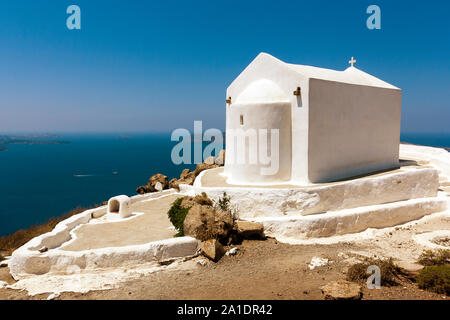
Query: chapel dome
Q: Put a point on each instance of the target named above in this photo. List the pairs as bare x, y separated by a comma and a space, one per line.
262, 91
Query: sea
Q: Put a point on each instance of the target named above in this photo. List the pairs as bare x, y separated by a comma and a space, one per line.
40, 181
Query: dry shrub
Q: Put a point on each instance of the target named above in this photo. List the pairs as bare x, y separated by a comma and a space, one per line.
435, 258
390, 272
17, 239
203, 200
435, 278
436, 274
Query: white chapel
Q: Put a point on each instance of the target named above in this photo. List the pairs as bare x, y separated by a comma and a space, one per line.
331, 124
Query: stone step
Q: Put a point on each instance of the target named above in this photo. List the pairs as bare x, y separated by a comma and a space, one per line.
354, 220
388, 187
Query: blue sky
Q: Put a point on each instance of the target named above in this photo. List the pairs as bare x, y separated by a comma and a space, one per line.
159, 65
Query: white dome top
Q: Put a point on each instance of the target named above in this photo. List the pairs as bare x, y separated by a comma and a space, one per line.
262, 91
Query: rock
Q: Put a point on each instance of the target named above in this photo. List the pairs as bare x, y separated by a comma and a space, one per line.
212, 249
224, 224
343, 255
158, 186
250, 230
162, 179
220, 160
53, 296
3, 284
43, 249
202, 262
203, 221
184, 174
199, 222
231, 252
201, 199
317, 262
157, 182
203, 166
145, 189
210, 160
186, 177
342, 290
173, 184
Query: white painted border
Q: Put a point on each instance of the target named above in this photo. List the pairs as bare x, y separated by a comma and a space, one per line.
27, 260
254, 202
425, 239
350, 221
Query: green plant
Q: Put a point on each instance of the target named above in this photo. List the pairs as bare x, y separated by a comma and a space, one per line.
435, 258
224, 202
177, 214
435, 278
390, 272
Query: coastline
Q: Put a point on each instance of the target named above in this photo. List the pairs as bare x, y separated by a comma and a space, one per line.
4, 142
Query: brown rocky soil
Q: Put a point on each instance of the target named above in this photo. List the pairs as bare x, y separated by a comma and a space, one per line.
260, 270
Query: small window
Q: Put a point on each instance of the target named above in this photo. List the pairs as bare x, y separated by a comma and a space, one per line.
242, 120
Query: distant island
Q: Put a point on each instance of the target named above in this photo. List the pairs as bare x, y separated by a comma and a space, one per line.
6, 140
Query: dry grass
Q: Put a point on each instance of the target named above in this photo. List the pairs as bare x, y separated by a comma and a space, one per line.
17, 239
390, 272
435, 258
203, 200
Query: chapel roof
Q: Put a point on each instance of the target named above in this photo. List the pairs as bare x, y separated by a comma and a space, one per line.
351, 75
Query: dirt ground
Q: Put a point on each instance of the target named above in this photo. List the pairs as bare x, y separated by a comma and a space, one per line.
260, 270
